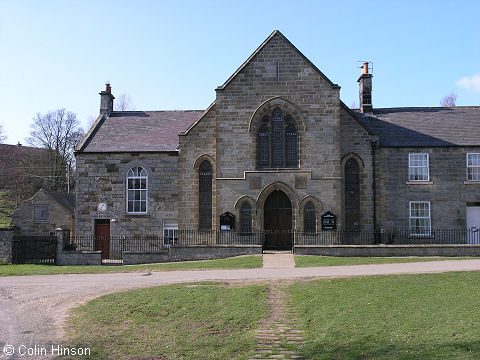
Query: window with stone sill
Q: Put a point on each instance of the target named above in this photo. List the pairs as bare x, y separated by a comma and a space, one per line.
137, 188
420, 221
473, 167
170, 232
418, 167
277, 141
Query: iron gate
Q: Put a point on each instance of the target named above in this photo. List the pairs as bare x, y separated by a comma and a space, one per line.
34, 249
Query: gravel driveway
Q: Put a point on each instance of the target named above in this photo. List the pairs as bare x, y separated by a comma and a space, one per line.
33, 308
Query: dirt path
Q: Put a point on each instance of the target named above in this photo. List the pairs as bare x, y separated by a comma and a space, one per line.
278, 260
33, 308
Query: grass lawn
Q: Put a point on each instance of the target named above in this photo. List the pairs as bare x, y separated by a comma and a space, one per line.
311, 260
193, 321
242, 262
429, 316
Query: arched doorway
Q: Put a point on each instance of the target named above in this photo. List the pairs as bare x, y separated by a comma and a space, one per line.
277, 213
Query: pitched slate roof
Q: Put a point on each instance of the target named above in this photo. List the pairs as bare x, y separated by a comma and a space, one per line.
426, 127
66, 200
139, 131
21, 150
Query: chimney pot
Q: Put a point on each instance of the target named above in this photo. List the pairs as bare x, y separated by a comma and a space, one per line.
365, 68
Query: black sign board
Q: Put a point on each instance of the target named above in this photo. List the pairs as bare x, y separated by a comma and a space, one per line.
227, 221
329, 221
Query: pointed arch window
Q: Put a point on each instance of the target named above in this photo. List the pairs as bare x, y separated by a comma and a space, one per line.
309, 218
205, 196
277, 141
137, 188
246, 218
352, 194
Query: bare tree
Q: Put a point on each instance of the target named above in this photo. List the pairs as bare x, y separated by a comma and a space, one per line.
449, 100
3, 136
90, 121
124, 103
22, 173
58, 131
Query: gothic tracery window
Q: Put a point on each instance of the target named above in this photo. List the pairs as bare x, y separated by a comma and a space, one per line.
263, 146
291, 145
277, 141
277, 138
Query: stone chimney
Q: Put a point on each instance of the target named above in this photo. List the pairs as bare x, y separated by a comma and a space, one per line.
365, 82
106, 100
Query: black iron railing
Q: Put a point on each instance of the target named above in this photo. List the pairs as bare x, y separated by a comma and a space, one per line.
218, 237
396, 236
113, 247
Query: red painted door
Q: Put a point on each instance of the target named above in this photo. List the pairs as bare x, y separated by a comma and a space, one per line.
102, 238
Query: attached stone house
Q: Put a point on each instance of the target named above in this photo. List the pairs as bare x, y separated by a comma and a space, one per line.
43, 213
278, 149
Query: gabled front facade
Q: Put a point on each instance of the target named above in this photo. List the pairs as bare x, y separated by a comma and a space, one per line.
43, 213
276, 150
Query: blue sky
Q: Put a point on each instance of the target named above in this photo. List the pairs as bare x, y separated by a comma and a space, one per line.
172, 54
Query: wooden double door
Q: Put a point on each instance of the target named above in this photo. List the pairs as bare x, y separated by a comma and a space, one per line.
278, 222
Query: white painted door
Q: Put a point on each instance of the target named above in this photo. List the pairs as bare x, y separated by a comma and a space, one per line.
473, 224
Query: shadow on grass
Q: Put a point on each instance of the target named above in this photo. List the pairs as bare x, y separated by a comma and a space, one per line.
365, 349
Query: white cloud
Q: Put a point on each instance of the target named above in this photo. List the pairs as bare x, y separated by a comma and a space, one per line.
469, 82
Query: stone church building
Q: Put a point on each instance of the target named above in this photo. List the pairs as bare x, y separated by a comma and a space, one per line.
279, 150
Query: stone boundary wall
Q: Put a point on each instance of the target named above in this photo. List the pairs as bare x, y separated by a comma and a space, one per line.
72, 257
174, 253
6, 246
136, 257
389, 250
209, 252
190, 252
